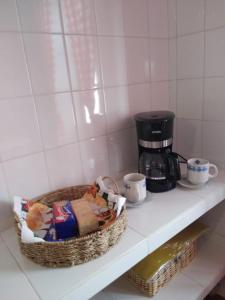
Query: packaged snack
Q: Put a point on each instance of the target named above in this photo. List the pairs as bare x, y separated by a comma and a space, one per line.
39, 219
87, 221
64, 220
37, 215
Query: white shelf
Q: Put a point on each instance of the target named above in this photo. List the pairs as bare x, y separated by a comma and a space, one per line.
149, 226
193, 283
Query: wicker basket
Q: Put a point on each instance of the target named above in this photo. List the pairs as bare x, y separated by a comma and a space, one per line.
73, 251
163, 276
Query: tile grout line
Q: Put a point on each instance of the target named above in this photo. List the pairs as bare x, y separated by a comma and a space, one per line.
70, 86
203, 82
105, 87
107, 136
108, 35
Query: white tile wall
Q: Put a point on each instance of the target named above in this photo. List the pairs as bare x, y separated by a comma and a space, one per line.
215, 13
159, 59
40, 16
47, 63
122, 17
78, 16
14, 80
64, 166
90, 113
190, 16
160, 95
73, 73
214, 106
214, 52
190, 56
189, 98
189, 138
84, 62
158, 18
197, 66
19, 132
56, 119
8, 16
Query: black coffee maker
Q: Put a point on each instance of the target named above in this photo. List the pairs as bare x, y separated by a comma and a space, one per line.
156, 159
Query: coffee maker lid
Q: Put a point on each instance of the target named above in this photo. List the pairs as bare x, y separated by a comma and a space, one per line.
155, 116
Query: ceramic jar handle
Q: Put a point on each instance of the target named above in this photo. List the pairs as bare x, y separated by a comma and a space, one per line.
215, 170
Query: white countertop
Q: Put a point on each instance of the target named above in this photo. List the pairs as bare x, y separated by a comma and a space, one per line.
150, 225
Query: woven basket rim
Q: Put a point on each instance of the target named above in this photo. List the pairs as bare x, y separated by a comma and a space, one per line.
72, 239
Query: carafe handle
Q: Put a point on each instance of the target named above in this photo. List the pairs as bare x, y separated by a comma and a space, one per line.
174, 166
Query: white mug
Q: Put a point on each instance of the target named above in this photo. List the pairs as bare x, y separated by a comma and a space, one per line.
135, 187
198, 170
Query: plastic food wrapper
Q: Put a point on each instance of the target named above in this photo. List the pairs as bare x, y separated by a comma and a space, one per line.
64, 220
115, 202
57, 224
153, 263
43, 227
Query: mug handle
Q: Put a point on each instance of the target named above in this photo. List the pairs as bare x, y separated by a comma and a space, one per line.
215, 169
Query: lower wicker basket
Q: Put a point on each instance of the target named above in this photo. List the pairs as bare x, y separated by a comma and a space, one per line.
163, 276
73, 251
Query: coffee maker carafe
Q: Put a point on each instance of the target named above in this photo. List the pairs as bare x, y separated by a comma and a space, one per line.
156, 159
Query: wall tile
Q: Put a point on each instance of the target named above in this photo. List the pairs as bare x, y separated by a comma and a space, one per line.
173, 96
135, 17
83, 62
64, 166
122, 17
158, 18
172, 60
13, 73
19, 132
117, 108
190, 98
46, 57
40, 16
172, 16
128, 61
90, 113
190, 56
95, 160
123, 155
78, 16
190, 16
214, 106
214, 141
5, 202
56, 119
27, 176
139, 98
215, 13
189, 137
159, 59
160, 95
8, 16
113, 60
109, 17
215, 48
137, 60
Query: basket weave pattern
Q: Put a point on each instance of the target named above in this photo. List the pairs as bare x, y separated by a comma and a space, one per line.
163, 276
73, 251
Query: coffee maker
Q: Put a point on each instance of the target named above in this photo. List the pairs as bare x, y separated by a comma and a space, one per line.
156, 160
